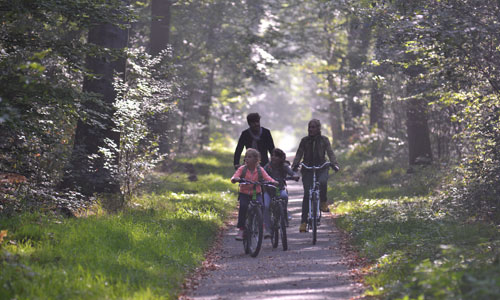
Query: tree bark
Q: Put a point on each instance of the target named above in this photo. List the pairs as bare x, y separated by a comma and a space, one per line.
377, 99
160, 25
336, 122
359, 35
89, 169
419, 143
159, 39
205, 108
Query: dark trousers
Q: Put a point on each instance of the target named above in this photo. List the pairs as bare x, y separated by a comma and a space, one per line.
307, 181
242, 212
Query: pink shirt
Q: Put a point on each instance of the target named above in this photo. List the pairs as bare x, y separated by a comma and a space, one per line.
253, 176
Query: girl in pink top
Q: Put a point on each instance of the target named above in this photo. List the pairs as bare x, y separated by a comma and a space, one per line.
252, 158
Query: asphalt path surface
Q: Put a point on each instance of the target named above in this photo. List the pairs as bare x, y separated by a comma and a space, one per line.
304, 271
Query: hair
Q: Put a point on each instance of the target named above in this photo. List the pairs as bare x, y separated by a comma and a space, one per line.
279, 153
252, 152
315, 121
253, 117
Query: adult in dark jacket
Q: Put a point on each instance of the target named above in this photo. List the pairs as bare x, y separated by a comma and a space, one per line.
255, 137
312, 149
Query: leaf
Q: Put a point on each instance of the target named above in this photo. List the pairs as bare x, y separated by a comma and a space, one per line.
3, 234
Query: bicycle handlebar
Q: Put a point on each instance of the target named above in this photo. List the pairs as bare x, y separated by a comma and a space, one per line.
261, 183
316, 167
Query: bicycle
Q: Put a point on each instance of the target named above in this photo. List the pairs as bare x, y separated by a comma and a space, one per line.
314, 215
254, 225
278, 220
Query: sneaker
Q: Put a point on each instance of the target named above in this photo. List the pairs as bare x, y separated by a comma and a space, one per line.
324, 207
239, 235
267, 235
303, 227
289, 216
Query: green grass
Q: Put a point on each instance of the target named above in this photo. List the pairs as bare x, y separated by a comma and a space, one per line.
415, 248
142, 252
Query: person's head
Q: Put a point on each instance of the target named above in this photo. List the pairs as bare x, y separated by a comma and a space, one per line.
253, 120
314, 127
278, 156
252, 157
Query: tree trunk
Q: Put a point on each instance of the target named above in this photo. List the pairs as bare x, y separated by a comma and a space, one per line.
359, 35
419, 143
377, 99
89, 169
336, 122
159, 39
160, 25
205, 109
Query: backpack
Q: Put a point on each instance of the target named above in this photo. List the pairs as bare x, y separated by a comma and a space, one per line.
259, 173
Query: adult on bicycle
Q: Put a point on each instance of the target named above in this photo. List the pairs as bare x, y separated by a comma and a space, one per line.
278, 169
312, 149
255, 137
253, 172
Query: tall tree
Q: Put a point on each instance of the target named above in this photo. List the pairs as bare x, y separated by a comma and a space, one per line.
161, 12
359, 37
94, 159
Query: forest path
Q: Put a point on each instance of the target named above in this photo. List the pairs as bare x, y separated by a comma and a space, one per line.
305, 271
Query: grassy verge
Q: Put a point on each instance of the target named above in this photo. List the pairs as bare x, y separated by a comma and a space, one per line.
416, 249
143, 252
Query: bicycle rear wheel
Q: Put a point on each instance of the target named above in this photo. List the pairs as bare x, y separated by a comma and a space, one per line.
314, 218
254, 231
282, 227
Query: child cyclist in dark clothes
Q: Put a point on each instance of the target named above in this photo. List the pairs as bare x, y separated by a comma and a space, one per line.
278, 169
254, 172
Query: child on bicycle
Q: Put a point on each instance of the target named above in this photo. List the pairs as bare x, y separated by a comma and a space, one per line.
278, 168
253, 172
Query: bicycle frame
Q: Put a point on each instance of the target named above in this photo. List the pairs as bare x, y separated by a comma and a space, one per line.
314, 191
250, 234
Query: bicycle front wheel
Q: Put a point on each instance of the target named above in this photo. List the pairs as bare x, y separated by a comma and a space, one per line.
314, 218
254, 232
282, 227
275, 226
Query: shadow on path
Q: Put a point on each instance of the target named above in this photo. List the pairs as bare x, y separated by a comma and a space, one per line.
305, 271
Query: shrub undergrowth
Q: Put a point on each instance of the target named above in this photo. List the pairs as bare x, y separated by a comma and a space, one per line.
142, 252
415, 246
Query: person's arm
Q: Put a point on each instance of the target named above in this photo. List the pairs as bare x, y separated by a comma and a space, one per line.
330, 154
238, 150
237, 175
298, 155
291, 173
267, 177
271, 144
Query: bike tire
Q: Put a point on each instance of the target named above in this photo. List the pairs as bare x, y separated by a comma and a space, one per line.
274, 228
282, 228
246, 233
255, 232
314, 218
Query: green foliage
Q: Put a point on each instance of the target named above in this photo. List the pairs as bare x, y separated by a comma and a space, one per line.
416, 248
141, 99
142, 252
42, 61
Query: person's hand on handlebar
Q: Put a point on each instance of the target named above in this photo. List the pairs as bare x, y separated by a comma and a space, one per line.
235, 179
335, 167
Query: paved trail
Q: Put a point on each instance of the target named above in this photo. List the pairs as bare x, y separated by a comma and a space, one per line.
305, 271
